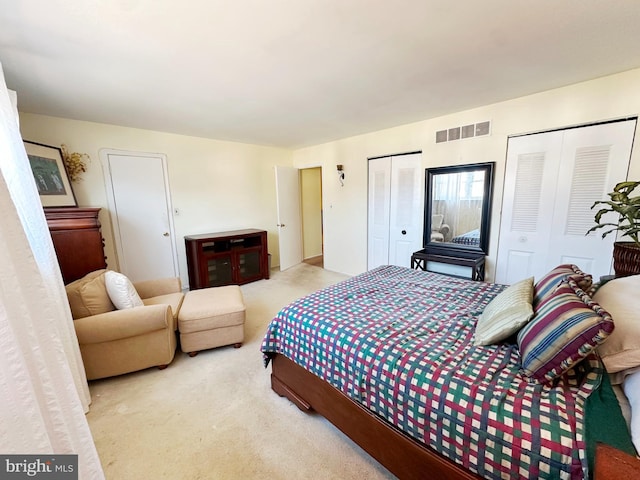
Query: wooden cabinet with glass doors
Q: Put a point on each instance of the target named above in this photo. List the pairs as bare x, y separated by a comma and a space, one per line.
226, 258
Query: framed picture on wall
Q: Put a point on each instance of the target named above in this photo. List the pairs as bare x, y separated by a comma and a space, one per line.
50, 175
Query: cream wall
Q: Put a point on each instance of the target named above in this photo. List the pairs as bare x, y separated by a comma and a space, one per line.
345, 219
215, 185
220, 185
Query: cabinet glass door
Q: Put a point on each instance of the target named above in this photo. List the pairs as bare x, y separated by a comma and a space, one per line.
219, 271
249, 266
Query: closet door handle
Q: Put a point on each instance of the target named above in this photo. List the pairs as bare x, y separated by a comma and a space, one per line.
404, 232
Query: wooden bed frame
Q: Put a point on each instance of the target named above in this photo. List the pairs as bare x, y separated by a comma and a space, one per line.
400, 454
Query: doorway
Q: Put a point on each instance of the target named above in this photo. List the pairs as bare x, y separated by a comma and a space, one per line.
298, 202
311, 210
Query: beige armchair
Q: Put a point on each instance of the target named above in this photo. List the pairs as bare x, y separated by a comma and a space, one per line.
112, 341
439, 230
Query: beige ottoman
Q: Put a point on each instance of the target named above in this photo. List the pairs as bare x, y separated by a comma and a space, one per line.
211, 317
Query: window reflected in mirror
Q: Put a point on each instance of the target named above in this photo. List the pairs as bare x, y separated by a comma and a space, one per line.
457, 206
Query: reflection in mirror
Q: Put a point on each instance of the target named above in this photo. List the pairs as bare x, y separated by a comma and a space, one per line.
458, 198
457, 207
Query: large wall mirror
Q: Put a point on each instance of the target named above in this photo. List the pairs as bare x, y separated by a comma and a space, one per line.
458, 208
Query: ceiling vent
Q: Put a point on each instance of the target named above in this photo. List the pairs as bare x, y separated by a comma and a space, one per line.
466, 131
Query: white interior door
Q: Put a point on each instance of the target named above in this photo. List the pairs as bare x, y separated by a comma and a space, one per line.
528, 200
551, 181
378, 212
406, 209
141, 214
395, 210
593, 160
289, 216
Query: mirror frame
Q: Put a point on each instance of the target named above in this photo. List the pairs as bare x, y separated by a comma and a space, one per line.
450, 248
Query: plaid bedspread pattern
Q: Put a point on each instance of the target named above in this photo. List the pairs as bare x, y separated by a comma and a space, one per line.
469, 238
399, 342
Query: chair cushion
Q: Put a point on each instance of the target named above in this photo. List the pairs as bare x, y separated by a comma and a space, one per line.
159, 286
436, 221
122, 324
88, 296
121, 291
174, 300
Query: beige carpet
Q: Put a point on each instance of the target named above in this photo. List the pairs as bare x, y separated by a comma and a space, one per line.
214, 416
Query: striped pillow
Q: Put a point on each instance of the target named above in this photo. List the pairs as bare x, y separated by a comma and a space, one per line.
567, 327
552, 280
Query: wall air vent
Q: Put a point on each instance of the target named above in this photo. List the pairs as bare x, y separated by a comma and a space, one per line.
465, 131
468, 131
441, 136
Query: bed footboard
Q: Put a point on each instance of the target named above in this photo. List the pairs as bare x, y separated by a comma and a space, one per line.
401, 455
278, 386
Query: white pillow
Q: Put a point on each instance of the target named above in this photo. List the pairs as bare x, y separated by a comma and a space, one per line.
121, 291
436, 221
631, 386
619, 297
507, 313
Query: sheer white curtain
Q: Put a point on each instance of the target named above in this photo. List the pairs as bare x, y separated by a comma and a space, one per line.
446, 199
44, 392
458, 196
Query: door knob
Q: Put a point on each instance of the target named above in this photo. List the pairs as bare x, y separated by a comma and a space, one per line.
280, 225
165, 234
404, 232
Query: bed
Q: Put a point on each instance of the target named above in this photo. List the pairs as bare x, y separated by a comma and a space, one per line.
471, 238
390, 358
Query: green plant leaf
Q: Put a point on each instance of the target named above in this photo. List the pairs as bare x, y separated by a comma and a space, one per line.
628, 209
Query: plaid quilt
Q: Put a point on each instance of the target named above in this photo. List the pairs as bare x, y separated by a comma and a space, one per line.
469, 238
399, 342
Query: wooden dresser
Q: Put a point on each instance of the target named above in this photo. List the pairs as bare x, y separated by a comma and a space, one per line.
77, 240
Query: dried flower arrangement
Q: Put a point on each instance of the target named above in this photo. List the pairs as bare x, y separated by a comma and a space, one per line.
74, 162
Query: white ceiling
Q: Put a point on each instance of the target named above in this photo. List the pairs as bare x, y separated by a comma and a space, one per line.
293, 73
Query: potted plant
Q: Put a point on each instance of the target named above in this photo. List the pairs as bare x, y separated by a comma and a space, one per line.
626, 255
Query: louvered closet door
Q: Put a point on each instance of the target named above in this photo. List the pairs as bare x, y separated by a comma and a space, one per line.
395, 209
378, 212
529, 190
405, 216
551, 181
